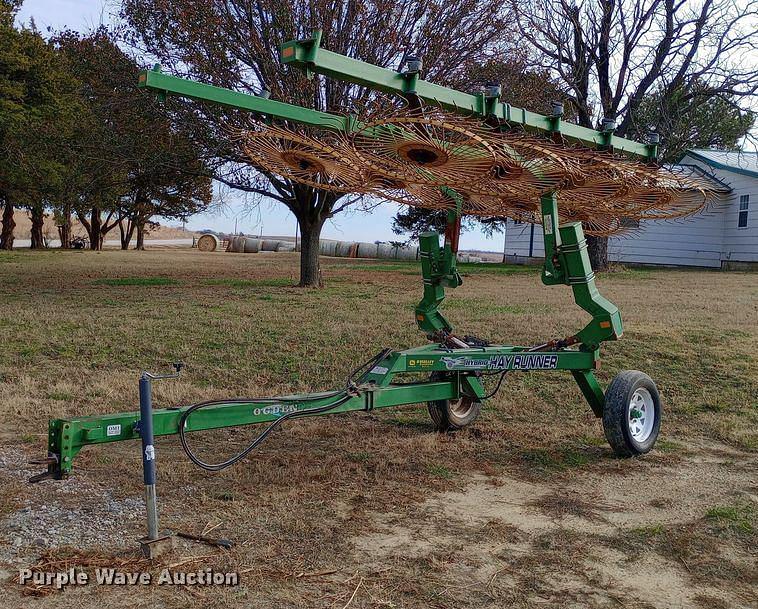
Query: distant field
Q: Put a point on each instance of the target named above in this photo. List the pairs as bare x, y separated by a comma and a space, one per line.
526, 508
24, 227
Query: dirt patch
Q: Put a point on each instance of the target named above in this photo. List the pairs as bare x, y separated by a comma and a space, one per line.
561, 546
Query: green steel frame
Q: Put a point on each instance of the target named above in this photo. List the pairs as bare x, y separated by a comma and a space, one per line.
373, 390
308, 55
458, 365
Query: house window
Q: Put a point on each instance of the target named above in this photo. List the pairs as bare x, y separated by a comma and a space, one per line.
742, 216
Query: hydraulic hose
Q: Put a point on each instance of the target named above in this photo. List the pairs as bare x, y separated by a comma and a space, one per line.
340, 397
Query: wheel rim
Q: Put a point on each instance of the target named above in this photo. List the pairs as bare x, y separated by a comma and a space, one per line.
641, 415
462, 407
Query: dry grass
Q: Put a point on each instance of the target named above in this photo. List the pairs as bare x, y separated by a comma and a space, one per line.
78, 327
561, 504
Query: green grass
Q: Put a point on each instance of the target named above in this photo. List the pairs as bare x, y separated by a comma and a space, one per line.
61, 396
382, 267
360, 457
482, 306
668, 446
464, 268
233, 282
738, 518
440, 471
136, 281
476, 268
646, 532
553, 460
224, 495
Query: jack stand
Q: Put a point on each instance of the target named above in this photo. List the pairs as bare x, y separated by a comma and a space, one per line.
155, 543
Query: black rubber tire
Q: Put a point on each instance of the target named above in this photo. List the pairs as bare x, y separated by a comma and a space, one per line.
616, 413
445, 413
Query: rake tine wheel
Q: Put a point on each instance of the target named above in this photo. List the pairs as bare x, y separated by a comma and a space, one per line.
433, 149
320, 163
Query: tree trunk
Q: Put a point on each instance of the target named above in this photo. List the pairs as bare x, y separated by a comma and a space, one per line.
38, 222
143, 213
6, 235
64, 228
310, 268
597, 248
140, 235
93, 229
126, 232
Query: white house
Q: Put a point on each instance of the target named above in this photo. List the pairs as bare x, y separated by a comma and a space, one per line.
725, 236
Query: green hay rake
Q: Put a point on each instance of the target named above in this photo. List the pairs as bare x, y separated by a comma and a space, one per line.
454, 391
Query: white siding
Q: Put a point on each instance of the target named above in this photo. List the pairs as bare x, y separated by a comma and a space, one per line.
694, 241
737, 244
517, 240
741, 243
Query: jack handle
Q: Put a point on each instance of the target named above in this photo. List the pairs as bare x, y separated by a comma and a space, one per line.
178, 366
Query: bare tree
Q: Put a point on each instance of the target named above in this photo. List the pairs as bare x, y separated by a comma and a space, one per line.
612, 54
235, 44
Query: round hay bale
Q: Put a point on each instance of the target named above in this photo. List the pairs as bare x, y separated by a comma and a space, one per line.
269, 245
367, 250
208, 243
345, 249
328, 248
237, 245
285, 246
252, 246
406, 253
385, 251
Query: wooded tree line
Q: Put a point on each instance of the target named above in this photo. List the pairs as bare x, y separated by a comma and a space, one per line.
79, 140
681, 68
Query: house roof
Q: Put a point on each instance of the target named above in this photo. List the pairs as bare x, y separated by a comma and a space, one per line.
697, 172
745, 163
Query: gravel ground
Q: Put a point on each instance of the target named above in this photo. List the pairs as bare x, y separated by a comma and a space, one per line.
56, 520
